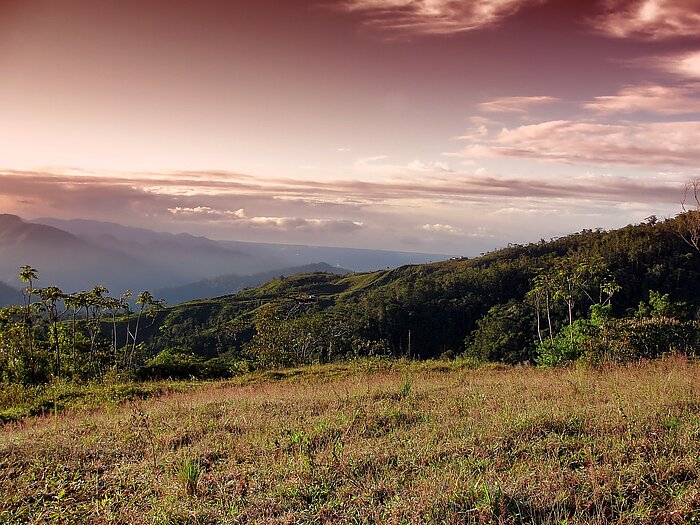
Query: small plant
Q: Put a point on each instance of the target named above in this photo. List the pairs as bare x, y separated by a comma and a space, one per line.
406, 385
301, 442
188, 474
142, 424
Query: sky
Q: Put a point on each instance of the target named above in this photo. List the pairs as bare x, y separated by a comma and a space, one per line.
417, 125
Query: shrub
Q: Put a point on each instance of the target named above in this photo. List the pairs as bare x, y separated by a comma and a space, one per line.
504, 334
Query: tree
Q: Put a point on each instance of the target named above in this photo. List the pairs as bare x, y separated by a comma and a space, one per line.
148, 306
504, 334
28, 275
688, 223
50, 297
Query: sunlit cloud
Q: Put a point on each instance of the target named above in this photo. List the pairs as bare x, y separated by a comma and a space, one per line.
650, 19
652, 99
685, 64
432, 17
52, 191
447, 229
208, 212
515, 104
299, 224
239, 219
640, 144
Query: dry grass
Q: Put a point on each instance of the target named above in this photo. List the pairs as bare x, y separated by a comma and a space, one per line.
408, 445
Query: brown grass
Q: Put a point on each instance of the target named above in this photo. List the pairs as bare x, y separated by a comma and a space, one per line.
414, 444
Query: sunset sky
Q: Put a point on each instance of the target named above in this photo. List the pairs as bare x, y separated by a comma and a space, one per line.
424, 125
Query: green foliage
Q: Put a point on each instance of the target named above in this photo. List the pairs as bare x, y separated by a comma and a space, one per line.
56, 335
660, 305
178, 363
650, 337
504, 334
188, 472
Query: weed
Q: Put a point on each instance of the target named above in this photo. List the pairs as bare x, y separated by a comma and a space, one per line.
188, 473
406, 385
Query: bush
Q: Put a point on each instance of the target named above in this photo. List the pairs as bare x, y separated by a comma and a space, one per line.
504, 334
567, 346
651, 337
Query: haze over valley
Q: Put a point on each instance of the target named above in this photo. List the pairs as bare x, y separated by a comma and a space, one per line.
79, 254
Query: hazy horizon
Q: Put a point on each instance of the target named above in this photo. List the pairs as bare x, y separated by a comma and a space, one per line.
409, 125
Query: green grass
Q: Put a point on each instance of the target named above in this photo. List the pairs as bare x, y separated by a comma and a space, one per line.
18, 402
373, 442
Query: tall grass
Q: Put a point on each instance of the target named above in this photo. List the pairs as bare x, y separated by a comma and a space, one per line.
411, 443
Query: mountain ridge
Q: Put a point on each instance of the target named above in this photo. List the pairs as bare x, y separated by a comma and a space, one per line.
78, 254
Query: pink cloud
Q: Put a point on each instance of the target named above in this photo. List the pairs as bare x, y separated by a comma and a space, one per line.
239, 219
647, 145
314, 205
514, 104
654, 99
299, 224
686, 64
650, 19
430, 17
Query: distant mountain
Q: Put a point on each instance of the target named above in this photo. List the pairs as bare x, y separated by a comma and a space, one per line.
356, 259
188, 253
78, 254
184, 257
67, 260
9, 295
228, 284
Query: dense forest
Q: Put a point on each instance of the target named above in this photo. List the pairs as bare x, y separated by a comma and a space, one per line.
596, 295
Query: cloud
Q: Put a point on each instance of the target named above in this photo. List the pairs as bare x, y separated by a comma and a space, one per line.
653, 99
650, 19
685, 64
378, 167
441, 228
239, 219
339, 206
432, 17
208, 212
299, 224
640, 144
514, 104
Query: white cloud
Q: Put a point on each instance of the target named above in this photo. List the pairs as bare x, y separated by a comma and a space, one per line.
441, 228
206, 211
299, 224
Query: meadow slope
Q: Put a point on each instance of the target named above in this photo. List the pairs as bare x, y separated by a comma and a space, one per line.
367, 443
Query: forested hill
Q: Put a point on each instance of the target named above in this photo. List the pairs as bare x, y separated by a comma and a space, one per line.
429, 309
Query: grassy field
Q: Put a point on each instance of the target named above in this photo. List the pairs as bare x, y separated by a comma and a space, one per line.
372, 443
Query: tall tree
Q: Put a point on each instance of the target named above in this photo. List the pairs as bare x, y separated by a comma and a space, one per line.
51, 297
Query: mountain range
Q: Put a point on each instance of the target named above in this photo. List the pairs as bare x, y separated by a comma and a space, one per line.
77, 254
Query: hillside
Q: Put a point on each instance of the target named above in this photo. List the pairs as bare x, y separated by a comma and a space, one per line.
229, 284
426, 310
